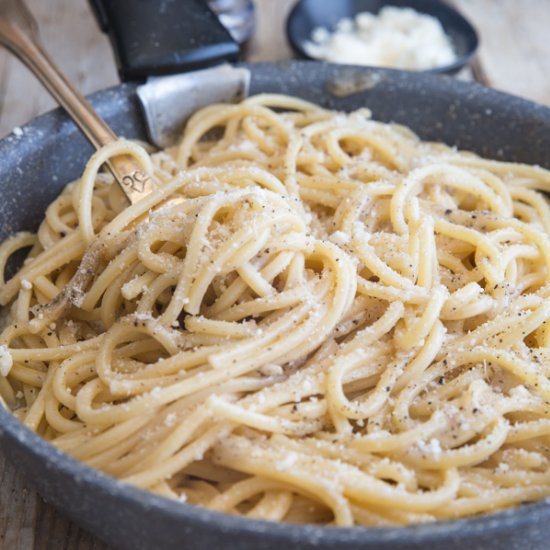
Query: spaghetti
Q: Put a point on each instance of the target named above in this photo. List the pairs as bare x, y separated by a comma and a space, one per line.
340, 324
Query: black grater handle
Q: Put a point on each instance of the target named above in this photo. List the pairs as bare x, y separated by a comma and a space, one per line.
159, 37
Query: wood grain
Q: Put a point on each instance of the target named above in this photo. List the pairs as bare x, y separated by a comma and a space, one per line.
513, 53
269, 41
74, 40
514, 50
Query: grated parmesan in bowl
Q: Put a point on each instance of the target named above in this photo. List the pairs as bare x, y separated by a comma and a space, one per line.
400, 38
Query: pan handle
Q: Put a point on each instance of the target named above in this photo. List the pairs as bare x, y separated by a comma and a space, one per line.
156, 38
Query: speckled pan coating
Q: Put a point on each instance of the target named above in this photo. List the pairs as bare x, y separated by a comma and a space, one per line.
33, 168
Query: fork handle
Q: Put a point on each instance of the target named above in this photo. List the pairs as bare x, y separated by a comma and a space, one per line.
18, 34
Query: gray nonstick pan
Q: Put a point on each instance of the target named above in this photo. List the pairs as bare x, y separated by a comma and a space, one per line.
51, 152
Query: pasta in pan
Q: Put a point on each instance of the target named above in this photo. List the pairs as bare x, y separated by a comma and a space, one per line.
340, 324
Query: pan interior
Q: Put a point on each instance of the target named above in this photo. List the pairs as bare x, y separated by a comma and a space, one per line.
50, 153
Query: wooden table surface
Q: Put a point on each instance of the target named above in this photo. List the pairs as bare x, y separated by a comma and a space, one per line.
514, 56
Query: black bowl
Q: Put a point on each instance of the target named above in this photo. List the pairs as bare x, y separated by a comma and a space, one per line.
309, 14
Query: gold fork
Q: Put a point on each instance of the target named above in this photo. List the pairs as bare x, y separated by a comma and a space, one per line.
19, 33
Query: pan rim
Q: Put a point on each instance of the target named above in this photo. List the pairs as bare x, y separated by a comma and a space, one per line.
15, 431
